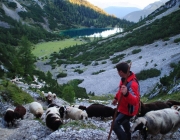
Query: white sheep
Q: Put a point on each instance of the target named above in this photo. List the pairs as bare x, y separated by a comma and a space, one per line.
79, 106
158, 122
76, 106
54, 95
76, 114
50, 97
36, 109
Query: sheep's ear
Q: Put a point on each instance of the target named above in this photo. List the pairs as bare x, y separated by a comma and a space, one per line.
61, 110
175, 107
81, 117
133, 119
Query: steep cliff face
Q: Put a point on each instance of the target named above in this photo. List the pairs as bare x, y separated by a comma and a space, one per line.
12, 8
168, 5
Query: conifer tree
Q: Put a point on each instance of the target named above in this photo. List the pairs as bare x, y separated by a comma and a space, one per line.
68, 94
26, 58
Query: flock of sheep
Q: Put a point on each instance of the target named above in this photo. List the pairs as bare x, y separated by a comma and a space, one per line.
153, 118
56, 114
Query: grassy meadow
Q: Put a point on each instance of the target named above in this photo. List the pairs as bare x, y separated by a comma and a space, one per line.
46, 48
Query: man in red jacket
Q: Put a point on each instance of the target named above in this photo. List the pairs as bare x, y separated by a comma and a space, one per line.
129, 92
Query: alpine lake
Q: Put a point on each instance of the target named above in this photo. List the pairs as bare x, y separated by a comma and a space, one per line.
91, 32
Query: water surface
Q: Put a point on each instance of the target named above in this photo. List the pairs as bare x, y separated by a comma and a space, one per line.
91, 32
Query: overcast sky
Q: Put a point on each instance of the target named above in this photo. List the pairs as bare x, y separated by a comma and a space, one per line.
121, 3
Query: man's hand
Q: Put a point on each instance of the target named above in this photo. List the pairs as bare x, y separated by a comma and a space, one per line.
123, 89
114, 102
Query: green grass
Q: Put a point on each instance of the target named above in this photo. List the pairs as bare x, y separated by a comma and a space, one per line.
11, 93
162, 97
47, 48
102, 98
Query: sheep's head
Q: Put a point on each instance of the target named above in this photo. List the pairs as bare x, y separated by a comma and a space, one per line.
176, 107
16, 115
82, 107
139, 124
38, 113
62, 111
54, 95
84, 115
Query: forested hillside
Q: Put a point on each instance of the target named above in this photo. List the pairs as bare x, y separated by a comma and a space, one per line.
32, 22
160, 29
34, 18
62, 14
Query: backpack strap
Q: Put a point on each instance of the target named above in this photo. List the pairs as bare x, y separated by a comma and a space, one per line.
128, 86
130, 82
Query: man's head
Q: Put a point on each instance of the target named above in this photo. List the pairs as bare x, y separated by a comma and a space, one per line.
122, 69
123, 66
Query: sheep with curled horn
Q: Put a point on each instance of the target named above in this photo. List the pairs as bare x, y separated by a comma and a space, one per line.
157, 122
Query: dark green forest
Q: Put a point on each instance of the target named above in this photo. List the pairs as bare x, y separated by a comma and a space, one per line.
18, 38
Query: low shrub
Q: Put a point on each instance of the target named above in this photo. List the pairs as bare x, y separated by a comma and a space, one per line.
62, 74
150, 73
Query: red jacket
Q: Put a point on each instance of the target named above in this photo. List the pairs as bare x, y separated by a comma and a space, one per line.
129, 104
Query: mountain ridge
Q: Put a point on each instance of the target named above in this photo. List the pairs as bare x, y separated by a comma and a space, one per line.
41, 13
137, 15
120, 12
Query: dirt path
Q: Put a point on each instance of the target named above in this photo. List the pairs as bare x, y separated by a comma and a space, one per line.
5, 133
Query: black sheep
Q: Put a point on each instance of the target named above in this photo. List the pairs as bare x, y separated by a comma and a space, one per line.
19, 112
9, 116
12, 115
157, 105
99, 110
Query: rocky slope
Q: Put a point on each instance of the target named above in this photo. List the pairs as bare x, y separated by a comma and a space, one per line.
159, 55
